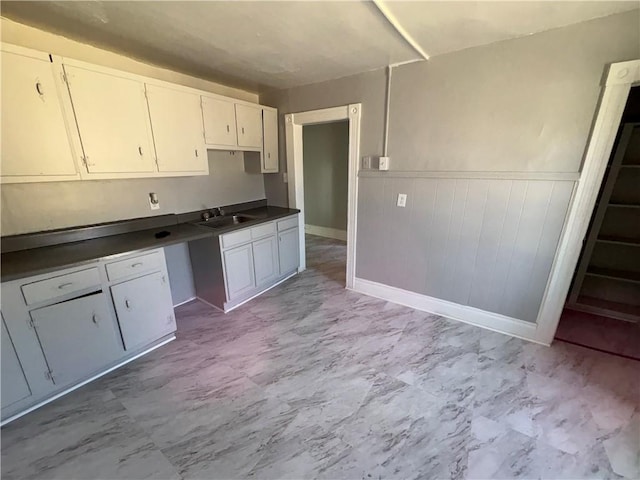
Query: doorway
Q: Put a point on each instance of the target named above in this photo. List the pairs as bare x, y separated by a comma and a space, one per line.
326, 174
294, 125
603, 307
619, 78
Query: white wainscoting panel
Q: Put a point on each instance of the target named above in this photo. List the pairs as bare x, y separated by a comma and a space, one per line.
486, 243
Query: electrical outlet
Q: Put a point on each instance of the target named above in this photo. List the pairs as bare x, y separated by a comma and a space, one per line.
383, 163
285, 179
154, 203
366, 163
402, 200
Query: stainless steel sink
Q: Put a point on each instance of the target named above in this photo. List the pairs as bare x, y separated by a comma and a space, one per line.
221, 222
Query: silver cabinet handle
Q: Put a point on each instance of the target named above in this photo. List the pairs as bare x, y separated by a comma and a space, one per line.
62, 286
94, 318
196, 152
136, 265
268, 154
140, 150
243, 130
39, 88
127, 303
228, 130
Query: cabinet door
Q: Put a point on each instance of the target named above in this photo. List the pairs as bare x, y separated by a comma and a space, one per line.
238, 271
176, 122
34, 133
113, 121
14, 382
265, 260
144, 309
78, 337
270, 152
249, 122
219, 122
288, 250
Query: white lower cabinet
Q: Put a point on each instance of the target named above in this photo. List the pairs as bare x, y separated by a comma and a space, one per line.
239, 271
65, 327
236, 266
78, 337
14, 382
144, 310
288, 245
265, 260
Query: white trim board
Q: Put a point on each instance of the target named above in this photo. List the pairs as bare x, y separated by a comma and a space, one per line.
554, 176
191, 299
293, 134
474, 316
326, 232
619, 79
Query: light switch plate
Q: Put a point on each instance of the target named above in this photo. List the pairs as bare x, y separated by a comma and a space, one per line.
285, 179
383, 163
402, 200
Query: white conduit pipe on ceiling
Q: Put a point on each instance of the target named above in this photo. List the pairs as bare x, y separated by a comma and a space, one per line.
409, 39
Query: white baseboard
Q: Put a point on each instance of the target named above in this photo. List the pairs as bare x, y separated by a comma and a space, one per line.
326, 232
474, 316
186, 301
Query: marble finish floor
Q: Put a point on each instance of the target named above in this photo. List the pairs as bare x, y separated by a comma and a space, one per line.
313, 381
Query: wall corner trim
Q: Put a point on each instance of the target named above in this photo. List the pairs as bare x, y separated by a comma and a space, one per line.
462, 313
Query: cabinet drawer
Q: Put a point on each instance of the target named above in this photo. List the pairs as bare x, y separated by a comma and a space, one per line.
58, 286
289, 222
131, 266
236, 238
263, 230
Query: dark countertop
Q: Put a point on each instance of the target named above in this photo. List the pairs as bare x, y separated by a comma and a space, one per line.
257, 216
33, 261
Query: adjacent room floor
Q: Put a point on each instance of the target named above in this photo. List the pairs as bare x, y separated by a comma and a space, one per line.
313, 381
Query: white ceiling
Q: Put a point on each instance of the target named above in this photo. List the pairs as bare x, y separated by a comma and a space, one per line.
444, 27
256, 45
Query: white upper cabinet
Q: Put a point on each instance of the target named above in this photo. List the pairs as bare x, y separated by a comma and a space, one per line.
219, 122
93, 122
113, 121
270, 152
35, 140
249, 123
176, 122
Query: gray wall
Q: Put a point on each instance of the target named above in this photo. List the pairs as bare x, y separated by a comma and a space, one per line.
33, 207
486, 243
522, 105
367, 88
326, 162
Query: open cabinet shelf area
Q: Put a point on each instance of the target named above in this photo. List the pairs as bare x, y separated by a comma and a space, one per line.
621, 311
633, 242
607, 280
614, 274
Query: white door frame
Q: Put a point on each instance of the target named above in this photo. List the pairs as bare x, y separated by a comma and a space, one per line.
619, 80
293, 129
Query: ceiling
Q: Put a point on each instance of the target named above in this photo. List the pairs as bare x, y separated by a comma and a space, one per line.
259, 45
